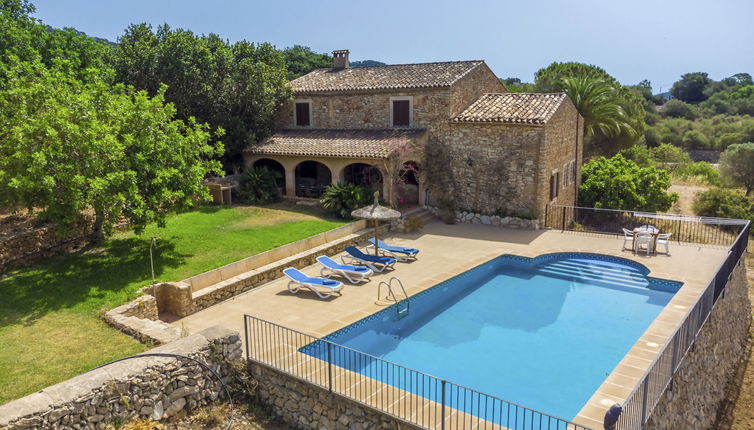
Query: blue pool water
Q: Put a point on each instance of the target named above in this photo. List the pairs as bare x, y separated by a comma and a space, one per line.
543, 333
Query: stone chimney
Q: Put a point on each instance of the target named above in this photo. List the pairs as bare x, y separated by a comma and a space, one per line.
340, 59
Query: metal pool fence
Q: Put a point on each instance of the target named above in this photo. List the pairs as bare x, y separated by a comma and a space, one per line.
684, 228
659, 377
420, 399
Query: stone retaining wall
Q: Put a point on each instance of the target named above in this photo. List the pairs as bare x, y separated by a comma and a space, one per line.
181, 299
700, 384
29, 245
150, 387
501, 221
307, 406
139, 318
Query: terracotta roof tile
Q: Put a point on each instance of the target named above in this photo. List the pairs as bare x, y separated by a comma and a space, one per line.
359, 143
400, 76
515, 108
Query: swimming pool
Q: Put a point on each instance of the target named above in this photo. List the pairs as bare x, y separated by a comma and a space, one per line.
542, 332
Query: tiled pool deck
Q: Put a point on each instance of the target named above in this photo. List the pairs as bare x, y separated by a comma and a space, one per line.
447, 250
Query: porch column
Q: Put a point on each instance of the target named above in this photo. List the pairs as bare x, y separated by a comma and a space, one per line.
290, 179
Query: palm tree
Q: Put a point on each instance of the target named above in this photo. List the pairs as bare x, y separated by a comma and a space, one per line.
598, 103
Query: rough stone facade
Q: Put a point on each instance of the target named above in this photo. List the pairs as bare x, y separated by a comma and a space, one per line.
564, 142
150, 387
486, 167
308, 406
700, 384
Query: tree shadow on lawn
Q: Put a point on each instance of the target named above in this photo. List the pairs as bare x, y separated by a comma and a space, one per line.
103, 276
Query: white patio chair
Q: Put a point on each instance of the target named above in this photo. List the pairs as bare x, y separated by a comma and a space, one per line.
664, 239
645, 239
628, 236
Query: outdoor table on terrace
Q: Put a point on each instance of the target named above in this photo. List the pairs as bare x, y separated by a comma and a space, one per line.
654, 231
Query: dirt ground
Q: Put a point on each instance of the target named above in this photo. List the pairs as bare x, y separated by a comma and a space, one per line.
738, 409
686, 194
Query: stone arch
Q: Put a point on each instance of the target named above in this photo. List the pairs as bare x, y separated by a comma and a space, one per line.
276, 166
363, 174
312, 177
409, 189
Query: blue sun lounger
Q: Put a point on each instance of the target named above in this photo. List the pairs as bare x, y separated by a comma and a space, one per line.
355, 255
298, 280
400, 253
354, 274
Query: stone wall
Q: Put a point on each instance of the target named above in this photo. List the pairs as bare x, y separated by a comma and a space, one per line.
139, 318
307, 406
29, 244
180, 299
467, 90
496, 220
563, 144
493, 167
700, 384
150, 387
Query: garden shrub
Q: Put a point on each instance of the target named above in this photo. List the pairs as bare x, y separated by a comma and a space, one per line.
618, 183
259, 186
666, 154
723, 202
700, 171
343, 199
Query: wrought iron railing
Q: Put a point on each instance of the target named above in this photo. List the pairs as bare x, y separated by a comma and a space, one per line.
415, 397
659, 376
684, 228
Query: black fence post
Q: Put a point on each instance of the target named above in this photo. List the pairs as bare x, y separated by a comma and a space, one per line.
246, 335
329, 366
442, 413
563, 225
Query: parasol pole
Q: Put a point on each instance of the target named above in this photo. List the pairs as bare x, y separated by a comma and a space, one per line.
376, 225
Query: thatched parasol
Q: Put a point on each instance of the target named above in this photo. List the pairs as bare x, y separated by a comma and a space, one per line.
376, 213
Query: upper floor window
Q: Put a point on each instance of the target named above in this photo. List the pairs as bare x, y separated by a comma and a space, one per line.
303, 113
401, 114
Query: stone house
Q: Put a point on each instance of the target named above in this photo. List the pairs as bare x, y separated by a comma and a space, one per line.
437, 134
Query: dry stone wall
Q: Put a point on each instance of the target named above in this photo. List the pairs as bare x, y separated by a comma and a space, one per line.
307, 406
699, 385
149, 387
28, 245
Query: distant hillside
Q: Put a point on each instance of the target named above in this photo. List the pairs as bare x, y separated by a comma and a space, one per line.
366, 63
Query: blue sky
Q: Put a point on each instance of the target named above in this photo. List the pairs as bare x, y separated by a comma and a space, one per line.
632, 39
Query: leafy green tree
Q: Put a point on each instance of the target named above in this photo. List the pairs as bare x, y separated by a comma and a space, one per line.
598, 103
725, 203
301, 60
737, 166
699, 171
617, 113
26, 38
259, 186
639, 154
694, 139
678, 109
669, 154
618, 183
68, 146
550, 78
691, 87
238, 87
343, 199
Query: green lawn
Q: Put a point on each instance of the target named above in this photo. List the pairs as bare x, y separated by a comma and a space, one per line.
49, 313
